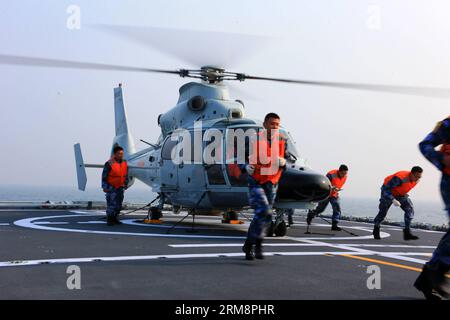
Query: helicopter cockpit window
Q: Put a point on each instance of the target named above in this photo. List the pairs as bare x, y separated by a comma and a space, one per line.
166, 153
292, 154
236, 176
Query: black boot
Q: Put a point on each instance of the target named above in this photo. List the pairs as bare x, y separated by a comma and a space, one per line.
309, 217
334, 226
109, 220
376, 233
407, 235
116, 220
424, 283
248, 250
438, 279
259, 250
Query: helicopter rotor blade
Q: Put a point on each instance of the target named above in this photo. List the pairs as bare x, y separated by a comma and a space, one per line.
194, 47
241, 94
408, 90
56, 63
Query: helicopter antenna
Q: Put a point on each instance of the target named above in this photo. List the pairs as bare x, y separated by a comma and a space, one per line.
150, 144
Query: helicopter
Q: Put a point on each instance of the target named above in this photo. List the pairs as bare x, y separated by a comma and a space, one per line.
199, 187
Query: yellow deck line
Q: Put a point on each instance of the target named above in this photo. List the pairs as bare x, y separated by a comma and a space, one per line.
392, 264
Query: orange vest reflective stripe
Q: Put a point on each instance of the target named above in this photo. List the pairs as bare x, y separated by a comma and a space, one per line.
118, 173
336, 182
406, 185
262, 144
445, 149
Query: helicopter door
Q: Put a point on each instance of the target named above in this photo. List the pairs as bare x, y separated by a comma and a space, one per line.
169, 169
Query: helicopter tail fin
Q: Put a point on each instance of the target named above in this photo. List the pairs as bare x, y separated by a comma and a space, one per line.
81, 171
123, 136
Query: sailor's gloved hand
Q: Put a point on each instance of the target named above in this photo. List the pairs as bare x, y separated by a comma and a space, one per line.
396, 203
108, 188
282, 162
250, 169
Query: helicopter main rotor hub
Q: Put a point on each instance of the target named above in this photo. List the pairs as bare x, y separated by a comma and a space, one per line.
211, 75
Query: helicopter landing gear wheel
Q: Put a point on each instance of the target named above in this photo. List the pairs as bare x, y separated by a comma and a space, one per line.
155, 213
176, 209
280, 229
270, 228
231, 217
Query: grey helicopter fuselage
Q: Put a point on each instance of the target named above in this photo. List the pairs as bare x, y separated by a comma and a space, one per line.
209, 188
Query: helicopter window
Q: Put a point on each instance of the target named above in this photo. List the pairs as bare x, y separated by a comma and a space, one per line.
215, 174
167, 148
236, 177
214, 171
291, 151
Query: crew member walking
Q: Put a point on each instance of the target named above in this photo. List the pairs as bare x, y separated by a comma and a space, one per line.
337, 177
395, 191
263, 177
114, 182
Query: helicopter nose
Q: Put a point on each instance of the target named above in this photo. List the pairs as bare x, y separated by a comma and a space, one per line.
302, 184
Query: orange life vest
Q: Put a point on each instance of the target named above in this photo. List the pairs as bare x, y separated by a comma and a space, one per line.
118, 173
406, 185
445, 149
263, 144
336, 182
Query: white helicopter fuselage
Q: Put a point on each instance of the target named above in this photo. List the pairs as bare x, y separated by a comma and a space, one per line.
208, 188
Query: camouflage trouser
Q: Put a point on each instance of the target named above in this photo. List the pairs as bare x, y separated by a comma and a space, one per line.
335, 204
261, 198
442, 253
114, 201
385, 204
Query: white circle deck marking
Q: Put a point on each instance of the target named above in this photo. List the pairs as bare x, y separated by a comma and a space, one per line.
353, 249
33, 223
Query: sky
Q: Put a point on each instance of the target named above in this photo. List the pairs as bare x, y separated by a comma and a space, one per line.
45, 111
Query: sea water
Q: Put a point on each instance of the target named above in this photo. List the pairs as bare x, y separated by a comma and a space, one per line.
428, 212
